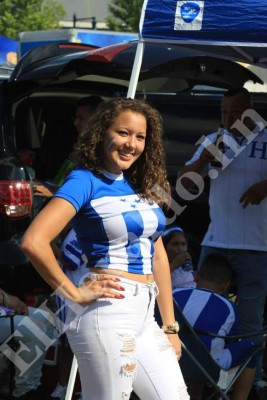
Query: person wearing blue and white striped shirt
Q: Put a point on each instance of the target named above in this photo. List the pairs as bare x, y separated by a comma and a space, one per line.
206, 309
113, 198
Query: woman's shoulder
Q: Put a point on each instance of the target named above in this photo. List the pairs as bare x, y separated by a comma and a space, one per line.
81, 173
78, 187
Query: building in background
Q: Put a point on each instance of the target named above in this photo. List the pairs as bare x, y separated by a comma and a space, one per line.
95, 10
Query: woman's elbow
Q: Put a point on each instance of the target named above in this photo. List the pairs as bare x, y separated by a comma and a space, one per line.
29, 244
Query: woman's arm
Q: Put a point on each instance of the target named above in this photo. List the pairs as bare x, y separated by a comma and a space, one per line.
36, 244
162, 277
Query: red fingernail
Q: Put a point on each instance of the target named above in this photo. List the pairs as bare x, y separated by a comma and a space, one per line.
122, 288
119, 296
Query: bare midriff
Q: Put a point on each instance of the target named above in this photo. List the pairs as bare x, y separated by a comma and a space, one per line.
127, 275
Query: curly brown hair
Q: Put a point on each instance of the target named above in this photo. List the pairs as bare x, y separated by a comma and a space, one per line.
148, 174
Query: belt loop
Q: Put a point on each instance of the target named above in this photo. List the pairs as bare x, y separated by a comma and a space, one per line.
156, 290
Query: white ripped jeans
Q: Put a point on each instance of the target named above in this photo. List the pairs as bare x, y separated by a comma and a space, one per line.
119, 348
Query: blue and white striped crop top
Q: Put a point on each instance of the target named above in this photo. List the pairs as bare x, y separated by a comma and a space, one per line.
115, 228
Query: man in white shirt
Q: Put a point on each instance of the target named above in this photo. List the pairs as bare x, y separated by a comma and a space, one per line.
237, 200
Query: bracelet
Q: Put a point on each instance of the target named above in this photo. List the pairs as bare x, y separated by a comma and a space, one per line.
172, 328
5, 298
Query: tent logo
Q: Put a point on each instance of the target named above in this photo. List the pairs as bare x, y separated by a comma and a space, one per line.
189, 11
189, 15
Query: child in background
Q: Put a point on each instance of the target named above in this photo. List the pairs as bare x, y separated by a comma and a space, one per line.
180, 261
207, 309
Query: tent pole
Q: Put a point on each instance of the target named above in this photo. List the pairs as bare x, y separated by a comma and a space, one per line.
136, 70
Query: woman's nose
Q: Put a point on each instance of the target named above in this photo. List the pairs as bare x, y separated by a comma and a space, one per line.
131, 142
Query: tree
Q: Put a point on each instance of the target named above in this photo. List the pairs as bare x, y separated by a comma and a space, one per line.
29, 15
125, 15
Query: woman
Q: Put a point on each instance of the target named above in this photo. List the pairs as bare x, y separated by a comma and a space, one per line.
112, 202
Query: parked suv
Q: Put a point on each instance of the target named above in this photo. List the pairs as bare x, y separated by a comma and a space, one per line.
37, 131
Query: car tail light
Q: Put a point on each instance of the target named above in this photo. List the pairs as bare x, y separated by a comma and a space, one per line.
15, 198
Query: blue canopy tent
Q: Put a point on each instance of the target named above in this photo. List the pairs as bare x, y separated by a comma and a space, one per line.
231, 29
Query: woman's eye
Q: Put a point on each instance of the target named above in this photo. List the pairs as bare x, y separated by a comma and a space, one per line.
122, 133
141, 137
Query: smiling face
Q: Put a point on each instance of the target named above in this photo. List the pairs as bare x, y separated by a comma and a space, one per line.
124, 141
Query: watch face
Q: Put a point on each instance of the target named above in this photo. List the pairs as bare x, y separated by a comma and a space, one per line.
176, 327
